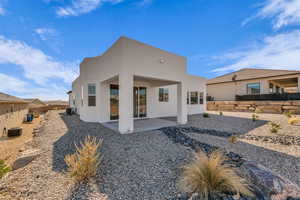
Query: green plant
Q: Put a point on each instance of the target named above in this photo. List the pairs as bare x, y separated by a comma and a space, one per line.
254, 117
84, 162
3, 168
210, 177
233, 139
274, 127
205, 115
289, 113
257, 111
221, 113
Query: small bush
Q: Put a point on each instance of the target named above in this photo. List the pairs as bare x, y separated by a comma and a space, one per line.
210, 177
3, 168
221, 113
274, 127
205, 115
293, 121
255, 117
289, 114
233, 139
84, 162
257, 111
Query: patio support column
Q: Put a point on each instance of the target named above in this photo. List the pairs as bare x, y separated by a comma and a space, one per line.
125, 102
181, 104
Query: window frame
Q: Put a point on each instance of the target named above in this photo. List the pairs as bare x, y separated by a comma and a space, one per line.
192, 98
271, 88
92, 95
163, 94
201, 98
250, 93
188, 98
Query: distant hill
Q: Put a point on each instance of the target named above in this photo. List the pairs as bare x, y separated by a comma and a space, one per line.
56, 102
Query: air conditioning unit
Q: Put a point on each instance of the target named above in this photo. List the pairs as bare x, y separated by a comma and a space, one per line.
14, 132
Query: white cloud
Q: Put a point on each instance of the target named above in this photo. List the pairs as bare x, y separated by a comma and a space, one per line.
284, 12
36, 64
46, 33
11, 84
22, 89
2, 11
281, 51
79, 7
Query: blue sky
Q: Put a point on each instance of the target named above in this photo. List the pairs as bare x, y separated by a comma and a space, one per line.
43, 41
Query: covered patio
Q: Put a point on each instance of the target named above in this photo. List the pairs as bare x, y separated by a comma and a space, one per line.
132, 103
286, 85
141, 125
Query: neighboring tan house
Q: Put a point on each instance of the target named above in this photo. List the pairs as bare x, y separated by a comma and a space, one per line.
253, 82
133, 80
12, 112
35, 103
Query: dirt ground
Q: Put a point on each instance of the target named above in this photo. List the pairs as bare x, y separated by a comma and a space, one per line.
10, 148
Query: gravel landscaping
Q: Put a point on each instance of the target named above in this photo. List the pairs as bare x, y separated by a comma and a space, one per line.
142, 165
285, 165
135, 166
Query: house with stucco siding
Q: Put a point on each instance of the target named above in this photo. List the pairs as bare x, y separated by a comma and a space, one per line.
254, 82
133, 80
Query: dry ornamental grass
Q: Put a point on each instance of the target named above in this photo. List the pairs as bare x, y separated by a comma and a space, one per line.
233, 139
294, 121
210, 177
84, 162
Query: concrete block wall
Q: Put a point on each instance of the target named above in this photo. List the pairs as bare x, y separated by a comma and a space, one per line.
11, 115
251, 106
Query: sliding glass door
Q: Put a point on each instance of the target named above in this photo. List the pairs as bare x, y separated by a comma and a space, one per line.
114, 102
139, 102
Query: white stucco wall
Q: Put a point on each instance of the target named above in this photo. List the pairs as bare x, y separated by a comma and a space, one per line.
134, 59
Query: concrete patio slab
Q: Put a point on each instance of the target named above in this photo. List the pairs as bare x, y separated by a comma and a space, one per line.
141, 125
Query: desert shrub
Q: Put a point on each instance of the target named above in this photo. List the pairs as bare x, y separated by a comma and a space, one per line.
210, 177
84, 162
3, 168
257, 111
289, 114
221, 113
254, 117
293, 121
205, 115
274, 127
233, 139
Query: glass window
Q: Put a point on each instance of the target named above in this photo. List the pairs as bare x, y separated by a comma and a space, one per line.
253, 88
91, 95
188, 98
163, 95
91, 89
271, 86
194, 97
201, 99
277, 89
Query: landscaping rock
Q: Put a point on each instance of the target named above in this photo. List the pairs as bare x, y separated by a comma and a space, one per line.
267, 183
176, 134
276, 139
27, 157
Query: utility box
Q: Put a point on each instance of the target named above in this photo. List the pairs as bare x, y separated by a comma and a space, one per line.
14, 132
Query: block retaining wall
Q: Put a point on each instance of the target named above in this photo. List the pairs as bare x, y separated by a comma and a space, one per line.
251, 106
